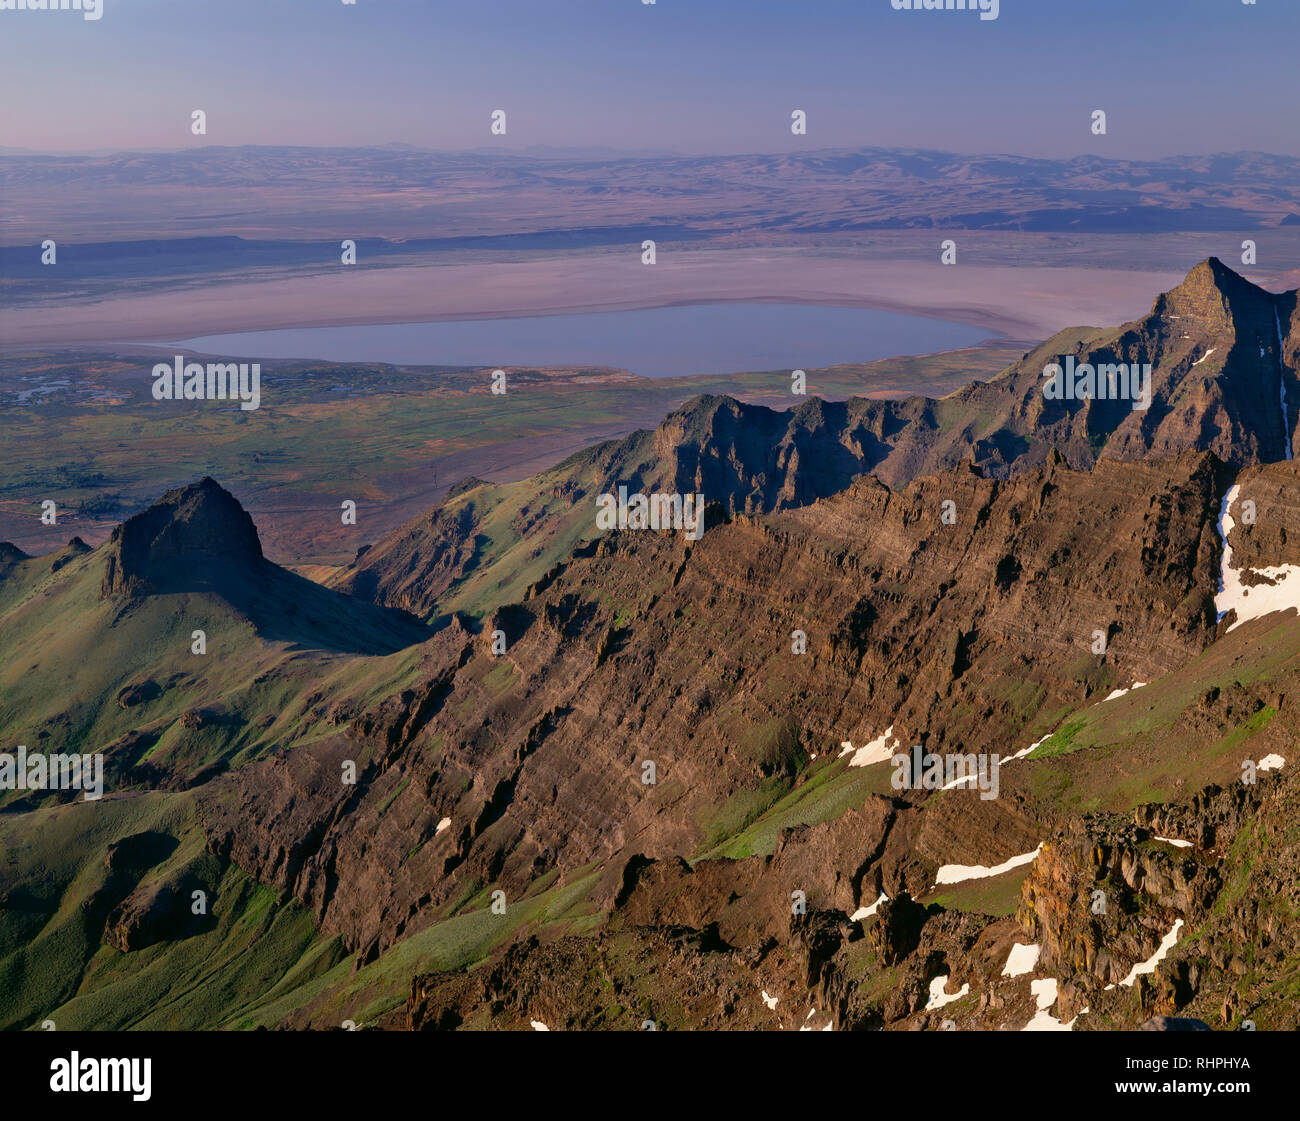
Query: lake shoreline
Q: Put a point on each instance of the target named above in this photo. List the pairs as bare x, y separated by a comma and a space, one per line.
1029, 303
665, 342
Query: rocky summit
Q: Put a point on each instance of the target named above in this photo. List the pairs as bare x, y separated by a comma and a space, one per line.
192, 535
972, 713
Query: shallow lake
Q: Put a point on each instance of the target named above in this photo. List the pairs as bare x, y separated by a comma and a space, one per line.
654, 342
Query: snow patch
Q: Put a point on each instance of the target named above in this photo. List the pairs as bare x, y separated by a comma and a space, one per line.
1270, 762
445, 823
539, 1026
1282, 594
830, 1024
1149, 966
866, 912
1021, 960
961, 780
877, 751
1028, 750
938, 997
770, 1001
1121, 692
959, 873
1203, 357
1175, 842
1045, 994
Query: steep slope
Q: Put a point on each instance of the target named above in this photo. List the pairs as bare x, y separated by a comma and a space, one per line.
98, 656
98, 928
523, 773
648, 647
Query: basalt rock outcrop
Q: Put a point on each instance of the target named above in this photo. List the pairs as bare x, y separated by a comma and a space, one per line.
193, 537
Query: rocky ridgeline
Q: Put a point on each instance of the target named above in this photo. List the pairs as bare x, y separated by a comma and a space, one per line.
1222, 352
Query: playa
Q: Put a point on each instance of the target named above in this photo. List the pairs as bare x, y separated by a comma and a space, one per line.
1027, 304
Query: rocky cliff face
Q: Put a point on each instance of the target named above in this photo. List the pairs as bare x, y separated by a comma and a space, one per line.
717, 945
648, 647
1218, 868
418, 565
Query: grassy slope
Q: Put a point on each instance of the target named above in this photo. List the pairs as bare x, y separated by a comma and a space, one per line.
53, 966
65, 656
1135, 749
263, 964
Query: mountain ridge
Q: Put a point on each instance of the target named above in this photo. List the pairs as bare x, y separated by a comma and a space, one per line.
1217, 390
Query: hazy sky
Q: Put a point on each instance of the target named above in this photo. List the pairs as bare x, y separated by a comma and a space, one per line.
1175, 76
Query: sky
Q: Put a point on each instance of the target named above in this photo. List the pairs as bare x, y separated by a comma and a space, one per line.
692, 76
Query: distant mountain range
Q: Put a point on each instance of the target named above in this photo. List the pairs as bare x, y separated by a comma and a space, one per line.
821, 192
